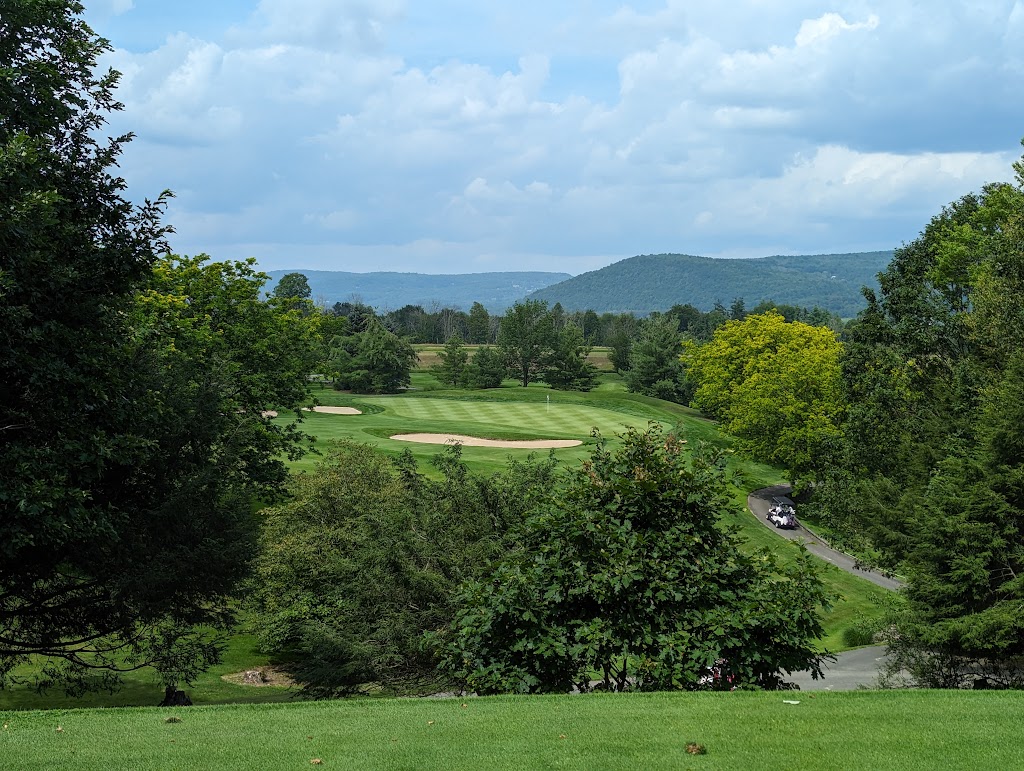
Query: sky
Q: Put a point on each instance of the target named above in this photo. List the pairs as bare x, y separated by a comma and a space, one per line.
462, 136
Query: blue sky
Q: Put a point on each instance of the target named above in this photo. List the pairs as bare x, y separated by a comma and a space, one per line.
455, 136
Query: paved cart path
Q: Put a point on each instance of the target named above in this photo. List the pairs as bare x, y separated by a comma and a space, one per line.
758, 503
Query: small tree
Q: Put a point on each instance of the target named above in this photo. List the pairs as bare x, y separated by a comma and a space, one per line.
487, 370
453, 370
629, 574
567, 366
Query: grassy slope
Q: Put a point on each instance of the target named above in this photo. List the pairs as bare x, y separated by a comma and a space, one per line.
858, 730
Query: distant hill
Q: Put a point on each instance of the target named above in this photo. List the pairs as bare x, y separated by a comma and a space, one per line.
391, 291
656, 282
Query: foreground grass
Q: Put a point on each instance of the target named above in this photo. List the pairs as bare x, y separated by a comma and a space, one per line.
857, 730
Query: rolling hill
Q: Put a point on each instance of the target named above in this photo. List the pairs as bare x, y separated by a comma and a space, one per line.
656, 282
390, 291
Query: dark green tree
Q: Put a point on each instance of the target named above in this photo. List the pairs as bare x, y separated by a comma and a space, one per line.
292, 286
630, 575
374, 361
655, 365
453, 370
366, 556
479, 324
123, 526
487, 369
527, 338
567, 368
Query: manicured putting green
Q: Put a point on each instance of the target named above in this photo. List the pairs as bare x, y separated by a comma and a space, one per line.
569, 421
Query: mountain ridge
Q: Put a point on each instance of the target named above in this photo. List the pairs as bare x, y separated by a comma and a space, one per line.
655, 282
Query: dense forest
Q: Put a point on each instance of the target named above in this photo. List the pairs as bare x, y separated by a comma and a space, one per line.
656, 282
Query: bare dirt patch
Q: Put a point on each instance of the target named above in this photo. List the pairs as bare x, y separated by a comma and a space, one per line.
473, 441
334, 410
260, 677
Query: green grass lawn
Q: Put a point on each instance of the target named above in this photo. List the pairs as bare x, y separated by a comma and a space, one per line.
857, 730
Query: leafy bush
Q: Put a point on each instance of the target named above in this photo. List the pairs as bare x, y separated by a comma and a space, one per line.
629, 574
366, 557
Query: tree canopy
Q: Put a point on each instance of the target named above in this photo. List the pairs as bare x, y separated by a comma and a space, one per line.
365, 558
526, 338
776, 387
629, 574
130, 407
931, 465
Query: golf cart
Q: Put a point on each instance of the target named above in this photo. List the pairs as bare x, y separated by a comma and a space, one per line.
782, 513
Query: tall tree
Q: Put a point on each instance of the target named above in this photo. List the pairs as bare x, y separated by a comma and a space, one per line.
131, 432
567, 368
655, 368
527, 338
479, 324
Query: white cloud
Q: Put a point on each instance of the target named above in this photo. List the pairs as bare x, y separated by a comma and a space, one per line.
459, 134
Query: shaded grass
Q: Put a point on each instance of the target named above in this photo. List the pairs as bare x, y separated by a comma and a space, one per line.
143, 687
857, 730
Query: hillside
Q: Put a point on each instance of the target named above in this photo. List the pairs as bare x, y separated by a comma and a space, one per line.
656, 282
390, 291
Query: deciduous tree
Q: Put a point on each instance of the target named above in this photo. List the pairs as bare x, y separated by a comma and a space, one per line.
631, 576
527, 338
776, 387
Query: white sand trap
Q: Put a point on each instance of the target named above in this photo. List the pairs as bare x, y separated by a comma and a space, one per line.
268, 414
334, 410
473, 441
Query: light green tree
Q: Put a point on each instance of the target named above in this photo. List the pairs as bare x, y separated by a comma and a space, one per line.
775, 386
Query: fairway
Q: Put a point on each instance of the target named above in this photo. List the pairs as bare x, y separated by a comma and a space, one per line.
505, 418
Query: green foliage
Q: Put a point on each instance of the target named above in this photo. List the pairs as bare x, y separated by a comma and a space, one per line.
657, 282
567, 368
487, 369
373, 361
365, 558
453, 370
292, 286
527, 338
932, 461
479, 325
655, 368
628, 574
776, 387
132, 437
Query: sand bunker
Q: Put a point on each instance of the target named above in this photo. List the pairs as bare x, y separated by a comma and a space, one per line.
334, 410
268, 414
473, 441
